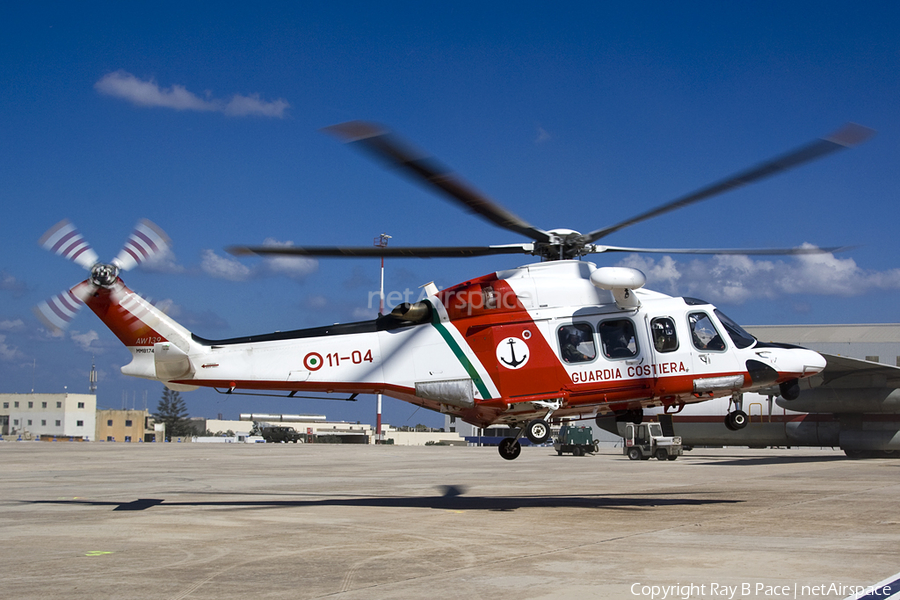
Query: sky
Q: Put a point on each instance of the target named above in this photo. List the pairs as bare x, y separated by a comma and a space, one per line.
206, 118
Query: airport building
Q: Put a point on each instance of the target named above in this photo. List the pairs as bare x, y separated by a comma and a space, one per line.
56, 415
124, 426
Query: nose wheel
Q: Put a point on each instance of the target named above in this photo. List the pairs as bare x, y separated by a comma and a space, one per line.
736, 420
537, 431
510, 448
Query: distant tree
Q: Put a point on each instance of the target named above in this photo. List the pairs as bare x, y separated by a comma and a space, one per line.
172, 411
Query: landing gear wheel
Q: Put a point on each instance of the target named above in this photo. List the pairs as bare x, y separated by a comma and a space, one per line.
537, 431
736, 420
634, 453
661, 454
509, 448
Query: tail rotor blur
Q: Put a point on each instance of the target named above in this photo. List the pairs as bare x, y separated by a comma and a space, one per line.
57, 312
65, 240
146, 242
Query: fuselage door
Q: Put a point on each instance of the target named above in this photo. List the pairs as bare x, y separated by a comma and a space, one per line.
670, 356
709, 348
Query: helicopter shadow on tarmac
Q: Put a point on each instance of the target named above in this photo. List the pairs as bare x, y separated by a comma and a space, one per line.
452, 498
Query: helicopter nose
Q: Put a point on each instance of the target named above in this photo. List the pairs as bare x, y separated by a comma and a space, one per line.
790, 362
805, 363
813, 362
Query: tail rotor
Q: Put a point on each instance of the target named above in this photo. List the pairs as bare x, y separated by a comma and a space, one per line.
145, 242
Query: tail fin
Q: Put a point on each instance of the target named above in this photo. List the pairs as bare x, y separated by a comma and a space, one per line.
161, 347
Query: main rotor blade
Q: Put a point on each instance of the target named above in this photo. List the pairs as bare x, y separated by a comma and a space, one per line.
735, 251
429, 170
387, 252
849, 135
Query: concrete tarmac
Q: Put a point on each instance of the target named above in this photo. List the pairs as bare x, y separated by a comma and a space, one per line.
204, 521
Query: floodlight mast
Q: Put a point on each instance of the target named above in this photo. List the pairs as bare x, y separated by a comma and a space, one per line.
380, 242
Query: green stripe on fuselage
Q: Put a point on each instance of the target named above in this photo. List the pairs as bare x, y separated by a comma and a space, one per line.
463, 359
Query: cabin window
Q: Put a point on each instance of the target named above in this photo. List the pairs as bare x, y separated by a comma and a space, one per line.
664, 337
704, 334
617, 338
576, 343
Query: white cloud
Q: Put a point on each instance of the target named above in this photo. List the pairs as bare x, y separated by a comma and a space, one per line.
12, 326
124, 85
240, 106
84, 340
294, 267
738, 279
163, 262
222, 267
7, 352
8, 283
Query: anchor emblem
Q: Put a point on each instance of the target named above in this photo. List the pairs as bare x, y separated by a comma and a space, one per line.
512, 353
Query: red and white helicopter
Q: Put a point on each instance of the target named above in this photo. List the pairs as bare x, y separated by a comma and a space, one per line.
560, 338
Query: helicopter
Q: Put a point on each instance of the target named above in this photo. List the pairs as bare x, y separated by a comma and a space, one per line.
557, 339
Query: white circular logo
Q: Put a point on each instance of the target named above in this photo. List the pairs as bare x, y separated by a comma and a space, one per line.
513, 353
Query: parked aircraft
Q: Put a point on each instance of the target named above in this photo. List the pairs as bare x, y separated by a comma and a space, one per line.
852, 404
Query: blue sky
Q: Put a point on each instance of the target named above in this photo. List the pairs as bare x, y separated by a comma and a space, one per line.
206, 118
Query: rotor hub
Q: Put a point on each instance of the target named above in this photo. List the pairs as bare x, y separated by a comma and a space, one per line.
564, 244
104, 275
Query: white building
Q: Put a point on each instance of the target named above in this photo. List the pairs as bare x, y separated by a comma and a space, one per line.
59, 415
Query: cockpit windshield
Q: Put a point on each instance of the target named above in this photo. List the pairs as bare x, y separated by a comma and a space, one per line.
738, 335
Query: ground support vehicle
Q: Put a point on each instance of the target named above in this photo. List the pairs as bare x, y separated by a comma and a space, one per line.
278, 434
575, 440
646, 440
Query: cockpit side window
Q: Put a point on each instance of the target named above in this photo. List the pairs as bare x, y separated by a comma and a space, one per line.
664, 337
738, 334
576, 343
704, 334
617, 338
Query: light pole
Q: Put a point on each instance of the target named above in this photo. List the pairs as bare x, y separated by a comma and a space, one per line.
380, 242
